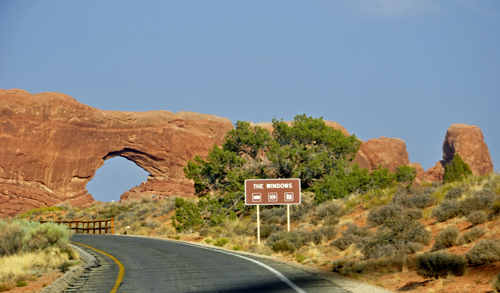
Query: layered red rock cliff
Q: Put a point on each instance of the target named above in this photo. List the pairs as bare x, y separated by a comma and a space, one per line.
51, 146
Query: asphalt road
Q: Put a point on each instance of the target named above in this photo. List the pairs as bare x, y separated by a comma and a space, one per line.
154, 265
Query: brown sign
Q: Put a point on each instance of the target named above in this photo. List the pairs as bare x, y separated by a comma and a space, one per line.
272, 191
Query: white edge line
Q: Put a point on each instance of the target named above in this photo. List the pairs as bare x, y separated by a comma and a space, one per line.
275, 272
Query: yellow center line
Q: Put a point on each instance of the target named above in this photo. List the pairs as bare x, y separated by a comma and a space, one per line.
121, 273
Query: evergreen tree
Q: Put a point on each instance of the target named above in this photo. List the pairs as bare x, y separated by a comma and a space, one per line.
456, 170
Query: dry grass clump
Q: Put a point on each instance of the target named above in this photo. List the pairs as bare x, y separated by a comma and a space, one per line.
377, 197
25, 264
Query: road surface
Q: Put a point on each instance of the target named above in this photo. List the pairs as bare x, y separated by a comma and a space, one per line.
156, 265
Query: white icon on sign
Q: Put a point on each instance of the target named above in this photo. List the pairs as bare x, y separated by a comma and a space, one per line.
273, 196
288, 196
256, 197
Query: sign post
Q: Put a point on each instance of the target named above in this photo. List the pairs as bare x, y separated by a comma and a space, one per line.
258, 226
272, 192
288, 216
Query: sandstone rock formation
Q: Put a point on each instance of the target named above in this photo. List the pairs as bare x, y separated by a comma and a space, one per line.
420, 173
468, 141
435, 173
385, 152
51, 146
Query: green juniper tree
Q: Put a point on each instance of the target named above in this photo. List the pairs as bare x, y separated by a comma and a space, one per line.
320, 156
456, 170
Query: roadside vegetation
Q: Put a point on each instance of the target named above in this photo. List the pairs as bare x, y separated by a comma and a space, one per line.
28, 249
360, 224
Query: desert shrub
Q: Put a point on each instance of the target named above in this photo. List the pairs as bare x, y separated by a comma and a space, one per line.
267, 216
456, 170
329, 232
420, 199
71, 215
413, 214
274, 220
447, 209
440, 264
482, 200
455, 193
283, 245
11, 237
353, 235
321, 234
37, 211
64, 206
221, 241
345, 241
485, 252
331, 221
496, 283
379, 215
166, 207
397, 236
111, 211
151, 223
187, 214
446, 238
298, 212
354, 229
314, 221
17, 236
477, 217
316, 236
267, 230
64, 266
330, 209
204, 232
472, 235
293, 238
347, 267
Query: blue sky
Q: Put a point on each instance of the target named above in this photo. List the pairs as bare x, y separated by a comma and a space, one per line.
393, 68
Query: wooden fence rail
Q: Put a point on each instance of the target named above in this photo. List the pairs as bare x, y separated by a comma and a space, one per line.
84, 227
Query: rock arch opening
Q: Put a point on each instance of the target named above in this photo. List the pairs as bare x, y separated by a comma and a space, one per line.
115, 177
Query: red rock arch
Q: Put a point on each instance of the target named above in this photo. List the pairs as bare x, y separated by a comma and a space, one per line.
51, 146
